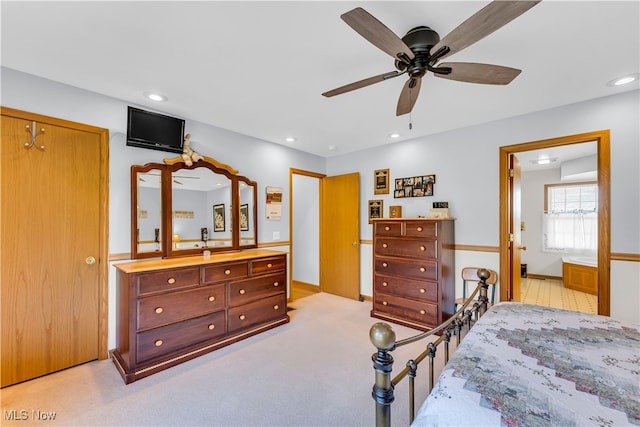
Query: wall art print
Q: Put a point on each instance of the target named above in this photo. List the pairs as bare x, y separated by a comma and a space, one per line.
415, 186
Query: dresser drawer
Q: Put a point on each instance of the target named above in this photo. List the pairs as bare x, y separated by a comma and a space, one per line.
163, 309
421, 270
257, 312
167, 280
249, 290
161, 341
420, 290
419, 311
268, 265
421, 229
218, 273
413, 248
393, 228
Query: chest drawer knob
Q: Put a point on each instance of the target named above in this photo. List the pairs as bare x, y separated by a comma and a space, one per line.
387, 228
385, 303
419, 228
422, 312
212, 327
242, 317
227, 272
385, 284
269, 265
159, 310
158, 343
212, 298
422, 248
423, 290
171, 280
242, 292
384, 264
422, 269
276, 284
275, 307
384, 245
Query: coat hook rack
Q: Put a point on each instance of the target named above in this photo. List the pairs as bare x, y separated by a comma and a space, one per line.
34, 133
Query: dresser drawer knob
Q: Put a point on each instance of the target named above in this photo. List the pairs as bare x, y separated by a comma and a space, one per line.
385, 284
422, 248
384, 245
276, 284
387, 228
158, 343
212, 327
422, 312
422, 269
385, 303
171, 280
419, 228
275, 307
227, 272
242, 292
384, 264
242, 317
423, 290
159, 310
212, 298
269, 265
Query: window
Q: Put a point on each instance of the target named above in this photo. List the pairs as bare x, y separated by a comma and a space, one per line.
570, 223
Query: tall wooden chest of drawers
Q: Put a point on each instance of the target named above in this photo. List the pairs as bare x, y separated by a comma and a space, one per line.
172, 310
413, 271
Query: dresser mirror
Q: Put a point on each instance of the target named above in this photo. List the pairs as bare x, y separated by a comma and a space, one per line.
146, 211
201, 207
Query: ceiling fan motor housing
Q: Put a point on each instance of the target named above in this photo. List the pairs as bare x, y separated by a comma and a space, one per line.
420, 40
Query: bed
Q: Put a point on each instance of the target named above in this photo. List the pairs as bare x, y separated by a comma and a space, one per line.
527, 365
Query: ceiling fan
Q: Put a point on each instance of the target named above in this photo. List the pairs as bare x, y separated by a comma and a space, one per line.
419, 51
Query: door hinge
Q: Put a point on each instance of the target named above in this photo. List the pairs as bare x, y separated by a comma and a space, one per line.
511, 238
511, 173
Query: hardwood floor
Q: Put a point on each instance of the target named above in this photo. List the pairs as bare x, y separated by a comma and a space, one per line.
551, 293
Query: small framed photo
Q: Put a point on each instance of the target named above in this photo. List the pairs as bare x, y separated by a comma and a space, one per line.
375, 209
218, 217
244, 217
395, 211
381, 181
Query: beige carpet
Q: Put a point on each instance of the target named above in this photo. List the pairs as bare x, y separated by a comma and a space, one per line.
314, 371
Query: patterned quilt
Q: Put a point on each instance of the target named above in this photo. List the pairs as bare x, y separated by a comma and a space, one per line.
526, 365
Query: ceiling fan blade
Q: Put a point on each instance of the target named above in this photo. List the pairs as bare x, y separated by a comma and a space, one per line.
484, 22
377, 33
471, 72
408, 96
361, 83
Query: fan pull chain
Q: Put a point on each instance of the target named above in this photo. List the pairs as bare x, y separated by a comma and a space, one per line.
410, 112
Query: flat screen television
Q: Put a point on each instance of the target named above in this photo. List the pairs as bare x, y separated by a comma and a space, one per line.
156, 131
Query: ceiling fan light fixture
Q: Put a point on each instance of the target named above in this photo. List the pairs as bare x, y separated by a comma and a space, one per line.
623, 80
155, 96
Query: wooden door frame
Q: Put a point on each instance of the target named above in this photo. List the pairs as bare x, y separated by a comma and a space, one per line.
103, 254
319, 176
602, 140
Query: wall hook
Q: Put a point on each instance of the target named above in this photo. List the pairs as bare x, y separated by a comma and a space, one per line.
34, 133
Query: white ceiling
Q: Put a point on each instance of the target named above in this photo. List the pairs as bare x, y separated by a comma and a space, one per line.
259, 68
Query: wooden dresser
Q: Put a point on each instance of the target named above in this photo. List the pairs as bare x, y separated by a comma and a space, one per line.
172, 310
413, 271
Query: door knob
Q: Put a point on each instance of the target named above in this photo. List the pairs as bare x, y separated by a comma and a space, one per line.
354, 244
90, 260
522, 248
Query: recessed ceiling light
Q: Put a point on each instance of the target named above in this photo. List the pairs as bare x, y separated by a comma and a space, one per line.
544, 161
394, 135
332, 148
290, 139
623, 80
154, 96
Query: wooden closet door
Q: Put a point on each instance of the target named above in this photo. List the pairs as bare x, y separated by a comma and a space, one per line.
50, 237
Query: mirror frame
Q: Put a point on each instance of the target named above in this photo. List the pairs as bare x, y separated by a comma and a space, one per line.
176, 164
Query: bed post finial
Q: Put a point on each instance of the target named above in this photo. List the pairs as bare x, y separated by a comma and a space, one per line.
483, 275
383, 338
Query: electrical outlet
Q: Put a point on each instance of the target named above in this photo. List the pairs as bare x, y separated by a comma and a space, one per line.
276, 235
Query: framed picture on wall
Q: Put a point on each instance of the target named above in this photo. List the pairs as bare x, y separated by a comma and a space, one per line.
375, 209
218, 217
381, 181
